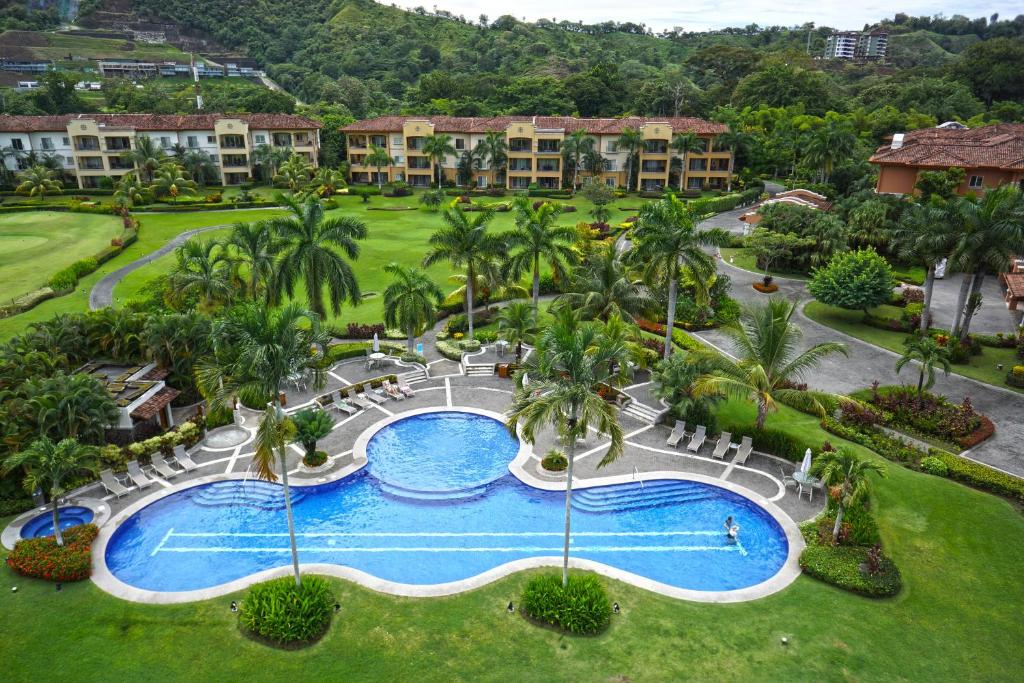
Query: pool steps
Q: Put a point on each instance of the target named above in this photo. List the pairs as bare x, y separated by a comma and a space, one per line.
252, 494
635, 497
430, 496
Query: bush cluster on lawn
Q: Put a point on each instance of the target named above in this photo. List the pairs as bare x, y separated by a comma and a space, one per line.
769, 440
554, 461
847, 567
363, 331
287, 615
582, 607
42, 558
930, 415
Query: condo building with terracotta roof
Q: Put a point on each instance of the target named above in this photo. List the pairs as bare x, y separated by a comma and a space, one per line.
990, 156
91, 147
535, 150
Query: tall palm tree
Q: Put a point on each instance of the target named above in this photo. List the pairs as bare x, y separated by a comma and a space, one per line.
199, 164
463, 241
171, 181
847, 475
378, 157
593, 162
73, 406
147, 156
49, 465
257, 349
294, 173
470, 161
666, 238
829, 144
38, 181
928, 353
310, 242
254, 245
571, 362
631, 140
202, 268
517, 321
765, 344
179, 150
926, 235
437, 148
602, 287
575, 147
537, 238
269, 159
410, 301
683, 144
494, 151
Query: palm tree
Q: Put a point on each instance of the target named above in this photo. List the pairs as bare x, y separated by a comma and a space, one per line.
574, 147
410, 301
257, 349
538, 238
437, 148
602, 288
463, 241
202, 268
847, 475
666, 238
73, 406
294, 173
327, 181
147, 157
179, 150
311, 426
493, 150
255, 245
269, 158
170, 181
631, 140
470, 161
926, 235
199, 165
928, 353
566, 371
310, 242
380, 158
38, 181
735, 142
518, 320
683, 144
829, 144
130, 190
765, 343
593, 162
49, 465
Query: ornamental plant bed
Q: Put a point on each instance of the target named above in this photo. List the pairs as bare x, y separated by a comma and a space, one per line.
766, 289
42, 558
929, 414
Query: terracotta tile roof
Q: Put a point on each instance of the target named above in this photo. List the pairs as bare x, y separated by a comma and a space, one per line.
155, 403
25, 124
998, 146
482, 124
156, 374
1014, 285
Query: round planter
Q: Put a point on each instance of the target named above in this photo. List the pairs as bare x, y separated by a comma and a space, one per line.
766, 289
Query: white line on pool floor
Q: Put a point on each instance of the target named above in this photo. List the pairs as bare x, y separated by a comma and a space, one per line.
432, 534
509, 549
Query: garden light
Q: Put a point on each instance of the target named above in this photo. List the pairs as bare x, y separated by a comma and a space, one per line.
615, 608
234, 606
511, 608
337, 607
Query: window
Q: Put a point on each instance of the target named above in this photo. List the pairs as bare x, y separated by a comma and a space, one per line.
610, 182
16, 143
165, 142
975, 182
261, 139
47, 143
612, 147
398, 159
66, 142
396, 140
460, 144
193, 141
211, 139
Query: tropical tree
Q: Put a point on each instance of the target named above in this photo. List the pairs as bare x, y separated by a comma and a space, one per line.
493, 150
147, 156
73, 406
666, 238
48, 465
269, 159
310, 243
600, 195
602, 287
310, 426
470, 161
734, 141
256, 350
199, 164
379, 158
575, 146
170, 181
683, 144
631, 140
928, 353
202, 269
255, 246
538, 238
856, 280
437, 148
129, 191
38, 181
674, 379
294, 173
410, 301
767, 365
926, 234
464, 242
432, 199
327, 181
594, 162
517, 322
571, 363
828, 144
846, 475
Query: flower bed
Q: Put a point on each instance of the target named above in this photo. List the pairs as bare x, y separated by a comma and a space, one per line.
582, 607
930, 415
853, 568
42, 558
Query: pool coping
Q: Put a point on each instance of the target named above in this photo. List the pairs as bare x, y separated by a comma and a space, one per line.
12, 532
790, 570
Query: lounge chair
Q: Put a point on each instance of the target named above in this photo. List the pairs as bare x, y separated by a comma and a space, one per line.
181, 457
405, 389
326, 401
344, 406
743, 452
699, 437
360, 400
373, 396
722, 447
162, 467
392, 390
112, 485
137, 476
677, 434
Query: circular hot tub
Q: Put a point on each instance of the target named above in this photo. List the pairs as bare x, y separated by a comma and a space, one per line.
42, 524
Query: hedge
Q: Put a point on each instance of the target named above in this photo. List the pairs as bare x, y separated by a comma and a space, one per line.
42, 558
840, 566
448, 349
225, 206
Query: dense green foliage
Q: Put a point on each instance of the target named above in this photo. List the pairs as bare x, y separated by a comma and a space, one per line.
286, 614
857, 280
582, 607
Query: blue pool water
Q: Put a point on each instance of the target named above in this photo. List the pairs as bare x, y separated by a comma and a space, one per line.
461, 518
42, 525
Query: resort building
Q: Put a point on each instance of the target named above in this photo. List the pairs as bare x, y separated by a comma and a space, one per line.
797, 197
143, 398
91, 146
535, 150
870, 45
990, 156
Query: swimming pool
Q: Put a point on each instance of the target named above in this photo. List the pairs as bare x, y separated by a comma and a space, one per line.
463, 518
42, 525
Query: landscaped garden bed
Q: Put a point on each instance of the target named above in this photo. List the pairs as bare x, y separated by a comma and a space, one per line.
281, 614
42, 558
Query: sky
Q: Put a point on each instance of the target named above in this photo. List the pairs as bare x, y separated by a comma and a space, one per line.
703, 15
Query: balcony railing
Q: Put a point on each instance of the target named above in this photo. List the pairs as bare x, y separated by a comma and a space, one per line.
87, 146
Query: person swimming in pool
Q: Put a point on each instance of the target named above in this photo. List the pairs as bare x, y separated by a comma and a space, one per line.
731, 530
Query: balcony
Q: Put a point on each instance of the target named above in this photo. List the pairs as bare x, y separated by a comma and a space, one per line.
282, 140
520, 165
87, 145
698, 165
418, 163
118, 145
549, 147
656, 147
548, 168
235, 161
232, 142
91, 164
520, 145
118, 164
653, 167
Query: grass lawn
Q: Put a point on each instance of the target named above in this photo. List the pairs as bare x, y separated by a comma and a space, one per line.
981, 368
953, 621
60, 45
744, 258
35, 245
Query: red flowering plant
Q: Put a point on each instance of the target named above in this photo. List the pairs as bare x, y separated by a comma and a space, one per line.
42, 558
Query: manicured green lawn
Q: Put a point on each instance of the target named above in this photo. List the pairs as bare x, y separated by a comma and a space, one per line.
981, 368
957, 619
35, 245
744, 258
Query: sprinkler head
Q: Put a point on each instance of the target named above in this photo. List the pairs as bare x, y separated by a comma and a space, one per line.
337, 607
785, 640
59, 586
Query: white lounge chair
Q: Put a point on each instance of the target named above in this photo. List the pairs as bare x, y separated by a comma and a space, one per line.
392, 390
722, 447
112, 485
360, 400
743, 452
677, 434
373, 396
699, 437
344, 406
162, 468
405, 389
181, 457
137, 476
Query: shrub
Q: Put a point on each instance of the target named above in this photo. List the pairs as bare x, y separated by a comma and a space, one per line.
554, 461
846, 567
470, 345
314, 459
63, 280
980, 476
448, 350
457, 323
582, 607
285, 614
15, 506
548, 284
486, 336
84, 266
933, 465
912, 295
214, 198
362, 331
42, 558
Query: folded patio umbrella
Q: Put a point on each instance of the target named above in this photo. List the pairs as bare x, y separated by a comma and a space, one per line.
805, 466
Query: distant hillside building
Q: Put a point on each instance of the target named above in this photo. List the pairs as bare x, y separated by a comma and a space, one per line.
870, 45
